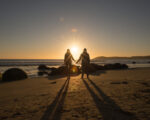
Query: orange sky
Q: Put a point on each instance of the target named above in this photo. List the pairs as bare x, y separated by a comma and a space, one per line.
46, 29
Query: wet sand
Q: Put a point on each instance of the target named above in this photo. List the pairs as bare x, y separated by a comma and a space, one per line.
107, 95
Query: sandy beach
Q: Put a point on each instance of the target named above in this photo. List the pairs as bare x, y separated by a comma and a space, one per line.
107, 95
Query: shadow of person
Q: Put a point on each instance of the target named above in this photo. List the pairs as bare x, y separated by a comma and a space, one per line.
55, 77
53, 111
106, 106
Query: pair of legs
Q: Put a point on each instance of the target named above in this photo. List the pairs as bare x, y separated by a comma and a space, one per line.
83, 75
68, 71
85, 71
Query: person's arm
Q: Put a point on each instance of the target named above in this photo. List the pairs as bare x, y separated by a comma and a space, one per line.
65, 59
79, 58
72, 58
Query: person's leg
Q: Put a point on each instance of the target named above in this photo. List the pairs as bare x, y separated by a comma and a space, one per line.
82, 75
87, 75
87, 71
68, 71
83, 71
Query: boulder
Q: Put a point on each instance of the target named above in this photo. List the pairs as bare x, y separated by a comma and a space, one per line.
14, 74
75, 70
43, 69
42, 73
133, 62
115, 66
94, 67
62, 70
0, 76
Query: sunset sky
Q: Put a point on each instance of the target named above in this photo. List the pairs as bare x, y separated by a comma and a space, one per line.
44, 29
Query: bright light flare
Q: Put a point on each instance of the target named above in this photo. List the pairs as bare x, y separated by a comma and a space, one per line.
75, 51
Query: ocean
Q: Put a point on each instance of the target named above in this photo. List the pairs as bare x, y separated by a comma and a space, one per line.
30, 65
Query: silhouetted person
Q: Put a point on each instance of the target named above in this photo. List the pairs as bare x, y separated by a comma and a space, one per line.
85, 61
68, 62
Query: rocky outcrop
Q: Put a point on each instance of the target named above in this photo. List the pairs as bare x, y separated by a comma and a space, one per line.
133, 62
75, 70
43, 69
94, 67
62, 70
14, 74
115, 66
0, 76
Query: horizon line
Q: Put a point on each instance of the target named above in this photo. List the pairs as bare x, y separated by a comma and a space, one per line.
63, 58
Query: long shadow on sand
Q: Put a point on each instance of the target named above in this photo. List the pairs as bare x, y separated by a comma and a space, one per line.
54, 77
53, 111
106, 106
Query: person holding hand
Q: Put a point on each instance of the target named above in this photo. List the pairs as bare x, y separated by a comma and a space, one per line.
85, 61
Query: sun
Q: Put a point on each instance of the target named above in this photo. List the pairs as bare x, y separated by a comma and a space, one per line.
75, 51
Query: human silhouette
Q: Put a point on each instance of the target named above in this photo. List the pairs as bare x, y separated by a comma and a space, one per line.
85, 61
68, 62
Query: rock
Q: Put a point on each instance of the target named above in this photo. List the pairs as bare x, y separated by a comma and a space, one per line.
16, 114
115, 66
58, 71
53, 82
145, 84
133, 62
43, 69
94, 67
62, 70
40, 73
146, 90
115, 83
124, 82
0, 76
14, 74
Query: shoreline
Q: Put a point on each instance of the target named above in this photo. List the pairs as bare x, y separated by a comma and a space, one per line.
32, 71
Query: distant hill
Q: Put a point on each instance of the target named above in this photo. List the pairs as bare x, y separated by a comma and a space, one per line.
132, 57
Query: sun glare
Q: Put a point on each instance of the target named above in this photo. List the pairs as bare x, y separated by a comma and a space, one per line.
75, 51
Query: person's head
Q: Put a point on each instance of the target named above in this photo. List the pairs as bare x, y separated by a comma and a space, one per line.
68, 50
84, 50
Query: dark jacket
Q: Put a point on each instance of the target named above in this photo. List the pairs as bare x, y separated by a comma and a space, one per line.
85, 59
